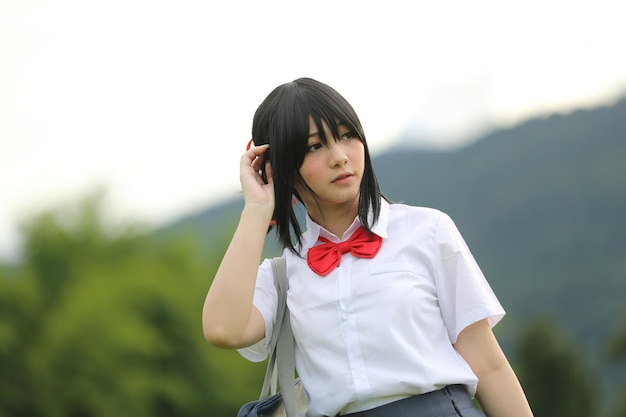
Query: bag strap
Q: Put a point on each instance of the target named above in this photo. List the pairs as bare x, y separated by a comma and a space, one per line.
282, 345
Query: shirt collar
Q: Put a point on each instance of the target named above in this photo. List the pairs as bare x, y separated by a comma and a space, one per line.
314, 230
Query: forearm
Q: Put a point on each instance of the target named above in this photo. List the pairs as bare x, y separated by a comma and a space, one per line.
501, 395
227, 313
499, 391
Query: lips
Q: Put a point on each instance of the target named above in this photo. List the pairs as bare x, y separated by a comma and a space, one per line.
342, 177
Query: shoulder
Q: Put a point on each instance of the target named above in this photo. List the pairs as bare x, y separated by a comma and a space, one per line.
401, 208
271, 266
415, 215
411, 224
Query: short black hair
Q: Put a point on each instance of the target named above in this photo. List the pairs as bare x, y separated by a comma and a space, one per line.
282, 121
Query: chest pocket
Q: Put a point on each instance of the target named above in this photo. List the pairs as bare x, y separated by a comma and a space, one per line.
399, 267
394, 276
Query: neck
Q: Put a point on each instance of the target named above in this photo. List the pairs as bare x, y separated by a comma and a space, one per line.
335, 220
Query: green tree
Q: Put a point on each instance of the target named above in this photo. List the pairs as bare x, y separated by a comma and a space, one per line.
617, 353
103, 320
553, 373
19, 302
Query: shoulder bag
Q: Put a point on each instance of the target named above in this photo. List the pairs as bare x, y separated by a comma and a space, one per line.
292, 400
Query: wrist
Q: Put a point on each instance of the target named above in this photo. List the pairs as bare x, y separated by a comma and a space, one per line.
255, 212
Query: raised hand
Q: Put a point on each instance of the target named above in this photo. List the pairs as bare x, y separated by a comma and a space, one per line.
255, 190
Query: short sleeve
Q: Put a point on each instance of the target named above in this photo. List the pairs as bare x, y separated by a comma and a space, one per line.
265, 300
464, 294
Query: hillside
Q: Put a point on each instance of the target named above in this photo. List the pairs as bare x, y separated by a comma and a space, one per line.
541, 205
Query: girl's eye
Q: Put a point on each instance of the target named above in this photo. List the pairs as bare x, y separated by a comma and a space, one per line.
314, 147
348, 135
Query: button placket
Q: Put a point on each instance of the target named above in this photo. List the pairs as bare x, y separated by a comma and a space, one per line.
349, 329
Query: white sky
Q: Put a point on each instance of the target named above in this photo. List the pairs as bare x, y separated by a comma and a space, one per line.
154, 99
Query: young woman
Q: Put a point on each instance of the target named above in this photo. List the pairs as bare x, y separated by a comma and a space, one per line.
389, 310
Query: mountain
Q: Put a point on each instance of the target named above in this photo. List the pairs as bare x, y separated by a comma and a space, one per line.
540, 204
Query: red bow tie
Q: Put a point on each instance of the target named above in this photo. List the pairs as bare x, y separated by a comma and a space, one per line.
325, 257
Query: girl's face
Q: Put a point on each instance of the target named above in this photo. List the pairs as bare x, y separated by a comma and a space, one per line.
333, 170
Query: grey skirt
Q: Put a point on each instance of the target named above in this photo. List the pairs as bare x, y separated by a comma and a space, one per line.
451, 401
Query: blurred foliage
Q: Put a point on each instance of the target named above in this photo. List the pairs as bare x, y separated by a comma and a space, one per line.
104, 321
554, 373
617, 356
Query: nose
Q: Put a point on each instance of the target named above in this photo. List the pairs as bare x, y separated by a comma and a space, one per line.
338, 155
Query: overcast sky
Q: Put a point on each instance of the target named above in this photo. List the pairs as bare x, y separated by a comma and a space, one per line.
154, 99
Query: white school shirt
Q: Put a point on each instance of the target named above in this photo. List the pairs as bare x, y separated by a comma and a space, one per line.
377, 330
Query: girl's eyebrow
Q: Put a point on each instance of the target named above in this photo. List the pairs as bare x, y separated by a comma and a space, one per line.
339, 123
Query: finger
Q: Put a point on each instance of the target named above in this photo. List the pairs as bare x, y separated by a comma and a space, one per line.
253, 154
258, 150
258, 161
268, 172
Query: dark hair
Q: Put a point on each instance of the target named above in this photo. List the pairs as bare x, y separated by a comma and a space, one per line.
282, 120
